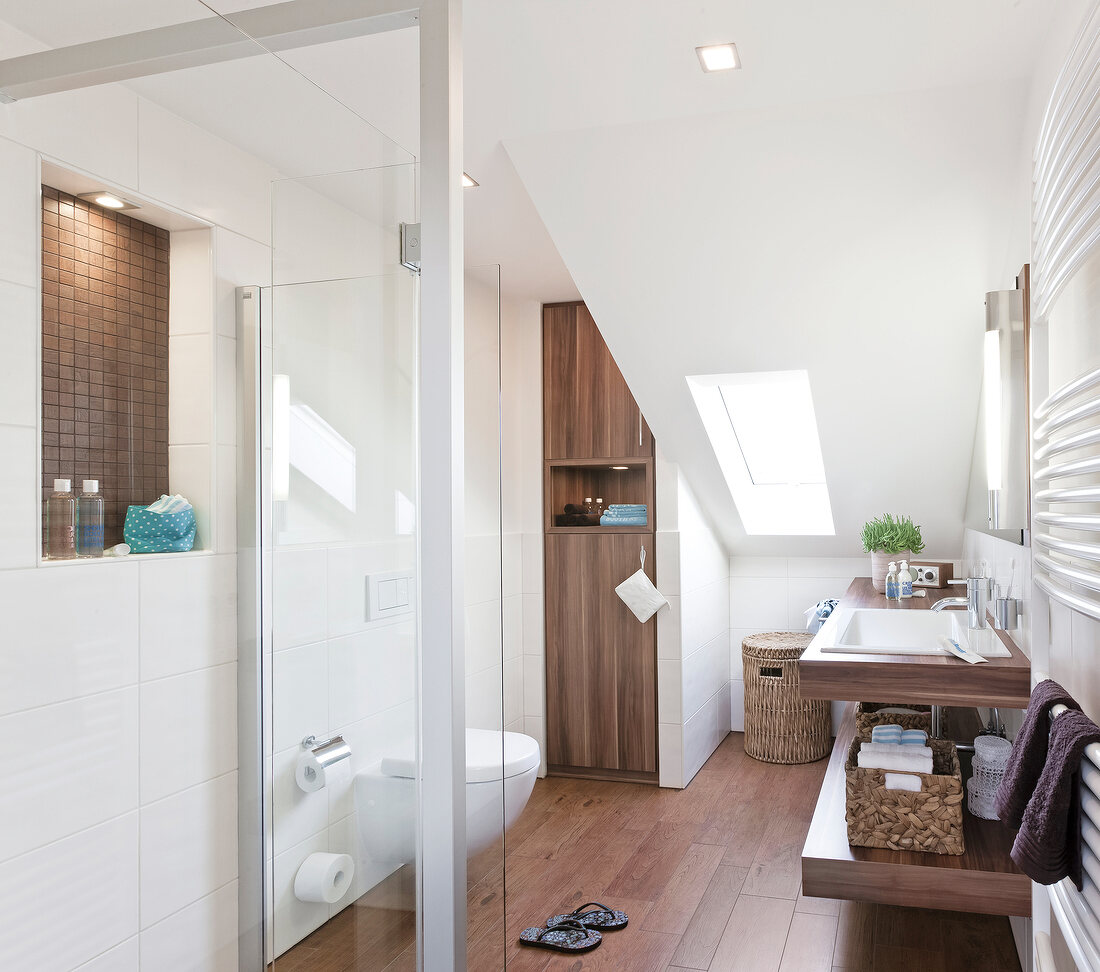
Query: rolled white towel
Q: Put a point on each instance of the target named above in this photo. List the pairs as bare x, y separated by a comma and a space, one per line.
896, 749
905, 763
903, 781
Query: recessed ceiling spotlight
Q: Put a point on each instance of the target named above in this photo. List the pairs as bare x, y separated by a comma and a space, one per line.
719, 57
108, 200
467, 182
620, 467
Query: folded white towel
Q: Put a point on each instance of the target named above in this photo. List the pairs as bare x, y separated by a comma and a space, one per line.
639, 594
906, 763
896, 749
902, 781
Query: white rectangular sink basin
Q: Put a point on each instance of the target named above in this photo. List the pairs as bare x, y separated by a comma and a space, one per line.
901, 632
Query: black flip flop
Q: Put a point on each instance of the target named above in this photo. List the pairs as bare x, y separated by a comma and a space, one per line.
602, 918
567, 936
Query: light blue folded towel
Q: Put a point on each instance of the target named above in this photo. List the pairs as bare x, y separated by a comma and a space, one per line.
626, 506
169, 504
608, 520
914, 737
886, 734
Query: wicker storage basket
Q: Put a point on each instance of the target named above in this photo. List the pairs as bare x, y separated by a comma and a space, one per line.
931, 820
867, 717
780, 725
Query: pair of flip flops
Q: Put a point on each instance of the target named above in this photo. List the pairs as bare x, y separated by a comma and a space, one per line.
579, 931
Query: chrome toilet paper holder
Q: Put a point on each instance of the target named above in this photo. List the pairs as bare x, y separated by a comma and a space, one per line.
327, 751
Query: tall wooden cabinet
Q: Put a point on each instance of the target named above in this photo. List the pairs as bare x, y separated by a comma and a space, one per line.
601, 662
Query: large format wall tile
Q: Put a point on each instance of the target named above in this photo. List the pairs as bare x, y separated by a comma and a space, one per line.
201, 936
19, 513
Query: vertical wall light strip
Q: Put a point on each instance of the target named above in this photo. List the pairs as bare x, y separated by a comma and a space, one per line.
280, 437
991, 392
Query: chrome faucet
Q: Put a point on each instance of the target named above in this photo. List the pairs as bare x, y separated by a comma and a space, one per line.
978, 592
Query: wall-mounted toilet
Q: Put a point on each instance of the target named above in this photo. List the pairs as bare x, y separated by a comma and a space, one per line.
385, 794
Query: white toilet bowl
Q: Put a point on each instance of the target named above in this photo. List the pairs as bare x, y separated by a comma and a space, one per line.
385, 794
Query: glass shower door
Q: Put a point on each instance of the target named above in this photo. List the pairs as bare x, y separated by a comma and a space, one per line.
339, 378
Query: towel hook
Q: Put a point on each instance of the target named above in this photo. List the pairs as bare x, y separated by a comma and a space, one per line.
641, 556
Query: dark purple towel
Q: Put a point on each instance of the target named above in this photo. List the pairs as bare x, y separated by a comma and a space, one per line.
1029, 752
1048, 846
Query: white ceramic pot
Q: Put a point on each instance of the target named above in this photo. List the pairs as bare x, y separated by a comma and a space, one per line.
880, 564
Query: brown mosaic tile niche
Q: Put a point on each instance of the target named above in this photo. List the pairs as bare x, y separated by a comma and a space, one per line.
104, 354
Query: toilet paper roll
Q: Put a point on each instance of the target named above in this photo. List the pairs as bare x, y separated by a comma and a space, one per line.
309, 773
324, 878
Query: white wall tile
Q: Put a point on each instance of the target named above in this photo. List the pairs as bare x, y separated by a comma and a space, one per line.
225, 412
202, 936
72, 875
188, 847
300, 594
513, 626
70, 631
804, 592
191, 380
534, 625
370, 671
483, 635
19, 498
297, 815
700, 739
704, 672
669, 688
536, 729
668, 563
391, 731
758, 602
295, 919
534, 686
512, 564
239, 262
19, 339
482, 576
758, 566
737, 705
670, 755
213, 179
843, 567
191, 473
121, 958
188, 730
348, 568
483, 699
188, 614
94, 129
738, 635
669, 632
514, 703
532, 563
300, 697
83, 771
723, 711
225, 506
705, 613
19, 244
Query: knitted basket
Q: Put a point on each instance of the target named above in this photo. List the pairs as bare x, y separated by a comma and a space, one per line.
148, 532
867, 717
780, 725
931, 820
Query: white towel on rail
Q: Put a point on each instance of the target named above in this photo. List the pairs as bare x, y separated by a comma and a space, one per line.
639, 594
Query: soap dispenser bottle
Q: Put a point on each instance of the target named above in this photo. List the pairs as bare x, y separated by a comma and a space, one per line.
61, 522
89, 520
905, 581
892, 582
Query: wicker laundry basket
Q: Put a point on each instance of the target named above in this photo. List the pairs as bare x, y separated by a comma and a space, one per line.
780, 725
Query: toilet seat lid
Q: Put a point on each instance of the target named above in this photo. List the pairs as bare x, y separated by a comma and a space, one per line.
483, 757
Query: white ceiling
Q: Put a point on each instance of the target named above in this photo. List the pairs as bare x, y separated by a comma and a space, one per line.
840, 204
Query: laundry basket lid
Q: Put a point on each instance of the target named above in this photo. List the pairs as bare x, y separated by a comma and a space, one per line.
777, 644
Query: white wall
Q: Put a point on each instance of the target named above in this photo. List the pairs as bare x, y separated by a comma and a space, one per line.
124, 671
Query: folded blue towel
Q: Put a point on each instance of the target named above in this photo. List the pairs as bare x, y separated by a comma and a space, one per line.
914, 737
627, 508
607, 520
886, 734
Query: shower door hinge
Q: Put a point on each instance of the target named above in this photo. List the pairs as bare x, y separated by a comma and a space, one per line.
410, 246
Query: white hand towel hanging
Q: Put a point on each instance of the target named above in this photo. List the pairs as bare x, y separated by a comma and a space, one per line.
639, 594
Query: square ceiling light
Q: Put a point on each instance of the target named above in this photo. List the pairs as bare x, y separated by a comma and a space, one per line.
718, 57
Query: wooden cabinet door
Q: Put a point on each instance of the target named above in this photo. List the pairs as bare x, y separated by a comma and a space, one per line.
588, 411
601, 661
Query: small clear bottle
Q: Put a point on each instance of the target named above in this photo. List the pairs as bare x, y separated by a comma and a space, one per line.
61, 522
599, 508
89, 520
892, 592
905, 581
588, 507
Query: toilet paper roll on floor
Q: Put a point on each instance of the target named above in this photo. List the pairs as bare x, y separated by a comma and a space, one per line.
324, 877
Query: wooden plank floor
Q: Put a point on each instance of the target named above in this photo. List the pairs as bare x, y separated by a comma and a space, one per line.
710, 877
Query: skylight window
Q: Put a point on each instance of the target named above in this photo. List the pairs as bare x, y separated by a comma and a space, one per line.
763, 430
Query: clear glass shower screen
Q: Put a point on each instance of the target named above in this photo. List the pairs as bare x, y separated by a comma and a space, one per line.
339, 384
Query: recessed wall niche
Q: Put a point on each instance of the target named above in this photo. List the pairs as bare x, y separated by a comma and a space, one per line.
104, 354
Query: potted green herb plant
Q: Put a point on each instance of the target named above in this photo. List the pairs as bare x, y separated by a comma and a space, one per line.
888, 538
